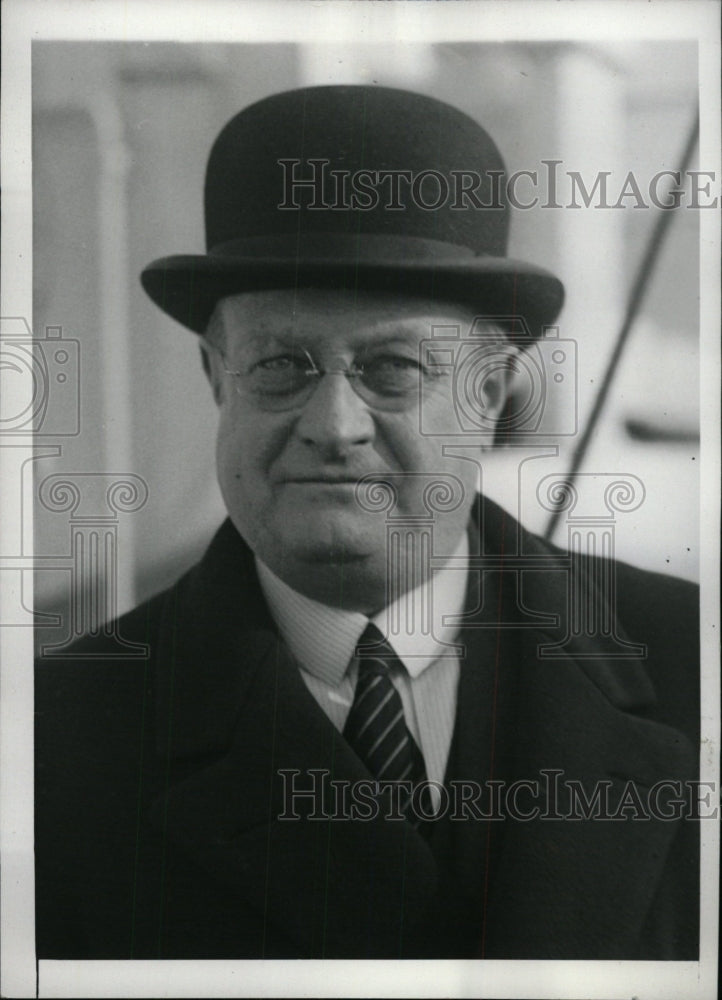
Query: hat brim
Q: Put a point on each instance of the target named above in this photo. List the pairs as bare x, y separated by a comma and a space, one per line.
187, 287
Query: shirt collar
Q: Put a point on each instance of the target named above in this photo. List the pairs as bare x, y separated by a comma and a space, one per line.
323, 639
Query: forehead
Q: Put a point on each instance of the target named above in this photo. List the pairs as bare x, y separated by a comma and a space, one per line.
333, 317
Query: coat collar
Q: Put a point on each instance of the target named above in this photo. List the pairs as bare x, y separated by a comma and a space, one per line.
232, 706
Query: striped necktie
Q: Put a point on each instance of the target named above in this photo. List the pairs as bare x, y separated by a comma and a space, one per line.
376, 727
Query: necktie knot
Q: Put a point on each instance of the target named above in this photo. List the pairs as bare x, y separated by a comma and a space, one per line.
376, 657
372, 644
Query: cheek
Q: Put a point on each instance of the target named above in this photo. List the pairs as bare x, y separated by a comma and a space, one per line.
423, 456
246, 446
397, 435
412, 450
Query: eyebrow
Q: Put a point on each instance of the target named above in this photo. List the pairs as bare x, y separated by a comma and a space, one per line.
405, 338
289, 337
258, 339
405, 328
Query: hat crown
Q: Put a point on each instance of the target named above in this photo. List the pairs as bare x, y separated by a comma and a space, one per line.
356, 161
355, 187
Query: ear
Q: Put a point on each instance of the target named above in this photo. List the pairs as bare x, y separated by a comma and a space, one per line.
212, 367
495, 388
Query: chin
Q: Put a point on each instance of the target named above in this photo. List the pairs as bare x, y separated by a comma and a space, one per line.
327, 551
327, 558
332, 537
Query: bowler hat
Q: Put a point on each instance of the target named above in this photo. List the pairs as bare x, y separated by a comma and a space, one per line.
355, 187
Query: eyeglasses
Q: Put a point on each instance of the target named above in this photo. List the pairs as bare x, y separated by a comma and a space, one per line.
284, 381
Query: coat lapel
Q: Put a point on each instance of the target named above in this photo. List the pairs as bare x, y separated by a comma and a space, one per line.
552, 887
231, 700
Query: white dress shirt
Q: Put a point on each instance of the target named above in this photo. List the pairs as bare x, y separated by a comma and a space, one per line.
323, 640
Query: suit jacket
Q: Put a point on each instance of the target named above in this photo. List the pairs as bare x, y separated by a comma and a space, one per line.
159, 781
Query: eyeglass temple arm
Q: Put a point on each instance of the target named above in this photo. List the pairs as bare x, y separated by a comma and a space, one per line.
314, 369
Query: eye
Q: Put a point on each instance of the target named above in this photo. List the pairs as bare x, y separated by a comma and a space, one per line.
280, 363
392, 363
392, 374
278, 374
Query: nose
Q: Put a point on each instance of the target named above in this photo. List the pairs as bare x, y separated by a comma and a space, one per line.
335, 420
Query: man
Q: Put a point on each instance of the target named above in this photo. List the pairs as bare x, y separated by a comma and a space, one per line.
344, 743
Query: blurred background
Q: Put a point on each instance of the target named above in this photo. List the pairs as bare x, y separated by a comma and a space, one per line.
121, 133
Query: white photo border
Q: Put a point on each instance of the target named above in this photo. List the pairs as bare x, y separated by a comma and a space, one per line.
305, 20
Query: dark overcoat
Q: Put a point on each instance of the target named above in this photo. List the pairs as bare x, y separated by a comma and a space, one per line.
160, 781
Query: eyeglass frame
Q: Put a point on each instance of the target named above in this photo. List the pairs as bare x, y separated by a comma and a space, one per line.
402, 402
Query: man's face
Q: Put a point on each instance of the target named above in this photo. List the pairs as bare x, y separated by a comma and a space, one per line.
289, 462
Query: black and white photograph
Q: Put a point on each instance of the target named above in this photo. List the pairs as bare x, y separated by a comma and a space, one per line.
360, 450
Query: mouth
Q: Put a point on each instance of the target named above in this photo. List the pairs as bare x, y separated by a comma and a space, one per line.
321, 481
